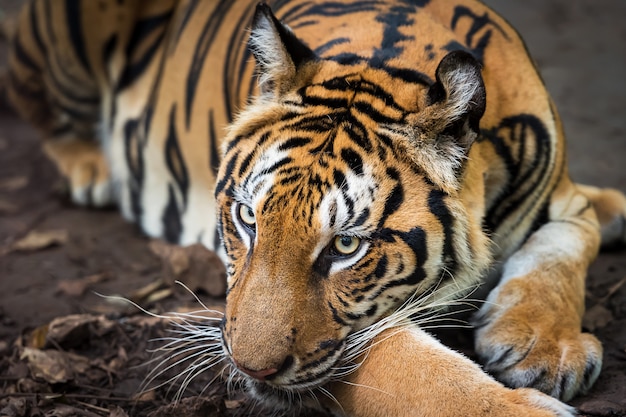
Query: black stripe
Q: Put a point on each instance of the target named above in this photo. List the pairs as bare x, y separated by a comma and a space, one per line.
172, 226
68, 90
189, 11
509, 201
295, 142
141, 31
372, 113
214, 153
329, 45
335, 314
381, 268
437, 206
201, 52
34, 26
274, 167
353, 160
174, 159
339, 179
236, 64
227, 177
134, 160
246, 163
52, 40
414, 239
108, 48
357, 133
363, 217
395, 198
23, 57
73, 14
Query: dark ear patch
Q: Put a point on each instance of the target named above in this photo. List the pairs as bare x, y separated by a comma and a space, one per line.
278, 52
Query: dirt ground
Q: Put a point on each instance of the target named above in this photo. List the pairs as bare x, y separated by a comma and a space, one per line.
54, 257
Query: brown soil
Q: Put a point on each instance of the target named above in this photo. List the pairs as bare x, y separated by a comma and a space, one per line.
93, 363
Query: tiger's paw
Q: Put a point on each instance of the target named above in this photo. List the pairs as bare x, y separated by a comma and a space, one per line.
554, 359
537, 403
84, 167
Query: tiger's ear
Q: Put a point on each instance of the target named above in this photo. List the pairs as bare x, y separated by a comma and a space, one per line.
442, 132
278, 52
457, 100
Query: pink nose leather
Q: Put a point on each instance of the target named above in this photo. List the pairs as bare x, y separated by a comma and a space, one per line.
260, 375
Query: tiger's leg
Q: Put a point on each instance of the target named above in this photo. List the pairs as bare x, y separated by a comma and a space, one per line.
83, 164
610, 207
528, 332
408, 373
53, 85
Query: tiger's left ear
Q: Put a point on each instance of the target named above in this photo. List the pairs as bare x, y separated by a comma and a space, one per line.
278, 52
443, 131
457, 99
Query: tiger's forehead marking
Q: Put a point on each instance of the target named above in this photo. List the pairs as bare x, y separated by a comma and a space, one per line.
332, 190
261, 178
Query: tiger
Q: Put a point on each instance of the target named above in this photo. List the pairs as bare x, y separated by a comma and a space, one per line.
361, 166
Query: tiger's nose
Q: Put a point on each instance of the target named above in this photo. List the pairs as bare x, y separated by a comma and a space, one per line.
267, 373
260, 375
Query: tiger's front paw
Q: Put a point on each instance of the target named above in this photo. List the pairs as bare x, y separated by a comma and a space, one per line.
84, 166
521, 350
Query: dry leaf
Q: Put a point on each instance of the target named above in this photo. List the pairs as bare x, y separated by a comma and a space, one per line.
174, 259
597, 317
37, 240
145, 291
13, 183
71, 331
195, 266
77, 287
37, 338
117, 412
158, 295
231, 404
16, 407
54, 366
50, 365
144, 396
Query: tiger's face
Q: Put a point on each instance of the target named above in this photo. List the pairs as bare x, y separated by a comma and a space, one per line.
330, 213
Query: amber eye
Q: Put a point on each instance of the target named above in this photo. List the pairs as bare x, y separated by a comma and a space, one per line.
346, 245
246, 214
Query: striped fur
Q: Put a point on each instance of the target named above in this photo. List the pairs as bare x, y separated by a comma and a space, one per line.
355, 154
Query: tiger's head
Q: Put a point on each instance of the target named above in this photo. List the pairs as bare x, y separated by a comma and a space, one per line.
342, 192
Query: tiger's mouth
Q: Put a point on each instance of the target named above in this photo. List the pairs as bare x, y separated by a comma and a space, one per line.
286, 397
296, 384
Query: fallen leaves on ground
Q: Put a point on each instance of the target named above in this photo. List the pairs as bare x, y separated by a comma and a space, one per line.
197, 267
77, 287
94, 365
37, 240
13, 183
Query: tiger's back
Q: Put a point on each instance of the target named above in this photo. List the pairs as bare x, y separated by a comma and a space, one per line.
159, 83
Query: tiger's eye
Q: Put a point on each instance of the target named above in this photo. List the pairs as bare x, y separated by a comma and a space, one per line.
346, 245
246, 214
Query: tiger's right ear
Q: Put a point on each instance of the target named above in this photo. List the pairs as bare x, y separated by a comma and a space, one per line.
278, 52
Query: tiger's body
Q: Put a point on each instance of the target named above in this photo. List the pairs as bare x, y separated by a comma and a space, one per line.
389, 150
